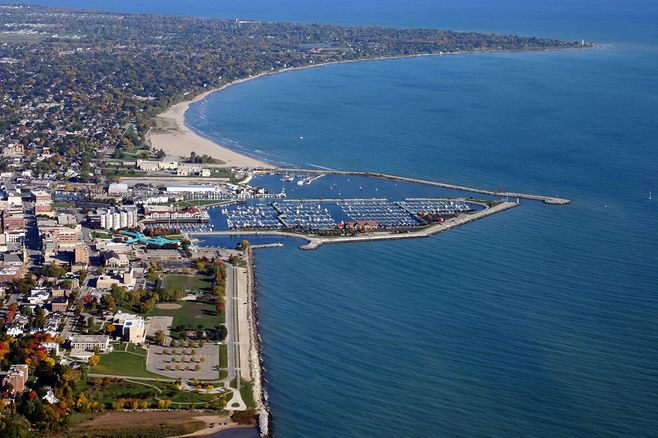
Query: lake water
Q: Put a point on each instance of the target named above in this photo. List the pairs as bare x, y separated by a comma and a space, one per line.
537, 322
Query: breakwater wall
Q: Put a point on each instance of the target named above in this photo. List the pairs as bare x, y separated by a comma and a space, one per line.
315, 243
255, 353
530, 196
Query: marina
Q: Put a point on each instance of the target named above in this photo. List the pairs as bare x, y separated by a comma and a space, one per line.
386, 214
304, 216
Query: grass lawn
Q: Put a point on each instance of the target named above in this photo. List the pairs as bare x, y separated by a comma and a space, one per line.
101, 235
192, 314
63, 204
247, 393
188, 282
123, 364
223, 356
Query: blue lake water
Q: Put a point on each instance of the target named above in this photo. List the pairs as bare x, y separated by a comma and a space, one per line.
540, 321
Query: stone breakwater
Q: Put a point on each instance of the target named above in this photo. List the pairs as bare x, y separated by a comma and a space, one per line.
316, 242
255, 354
530, 196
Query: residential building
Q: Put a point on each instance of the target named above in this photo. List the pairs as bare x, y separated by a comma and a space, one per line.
115, 218
16, 377
90, 342
43, 202
81, 255
59, 304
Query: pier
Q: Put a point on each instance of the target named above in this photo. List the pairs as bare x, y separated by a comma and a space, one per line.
533, 197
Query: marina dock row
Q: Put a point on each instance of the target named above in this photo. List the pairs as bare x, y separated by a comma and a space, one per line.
533, 197
314, 242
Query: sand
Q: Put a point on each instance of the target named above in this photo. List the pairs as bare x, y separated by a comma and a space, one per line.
175, 138
168, 306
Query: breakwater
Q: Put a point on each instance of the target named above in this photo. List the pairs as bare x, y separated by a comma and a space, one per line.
255, 353
530, 196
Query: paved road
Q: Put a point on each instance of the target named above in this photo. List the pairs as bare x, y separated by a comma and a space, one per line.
233, 338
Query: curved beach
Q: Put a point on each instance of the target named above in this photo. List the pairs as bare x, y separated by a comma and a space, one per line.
173, 136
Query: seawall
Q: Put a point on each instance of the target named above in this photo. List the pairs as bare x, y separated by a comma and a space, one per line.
255, 354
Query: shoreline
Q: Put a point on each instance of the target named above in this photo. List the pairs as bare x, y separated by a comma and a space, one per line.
176, 138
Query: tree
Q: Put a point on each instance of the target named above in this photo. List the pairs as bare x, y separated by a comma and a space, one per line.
110, 329
160, 337
197, 368
93, 360
244, 417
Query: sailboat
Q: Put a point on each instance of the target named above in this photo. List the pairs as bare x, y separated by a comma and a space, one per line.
650, 197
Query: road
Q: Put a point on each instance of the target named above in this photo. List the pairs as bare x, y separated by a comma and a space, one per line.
233, 339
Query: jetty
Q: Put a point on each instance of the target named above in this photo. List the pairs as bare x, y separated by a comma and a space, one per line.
552, 200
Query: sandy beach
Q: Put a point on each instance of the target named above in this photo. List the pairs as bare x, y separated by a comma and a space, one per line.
175, 138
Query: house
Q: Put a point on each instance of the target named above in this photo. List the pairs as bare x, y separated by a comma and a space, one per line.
51, 347
39, 295
14, 331
50, 396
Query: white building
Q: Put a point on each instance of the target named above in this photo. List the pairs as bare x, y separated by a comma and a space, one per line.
113, 219
90, 342
131, 328
117, 189
200, 189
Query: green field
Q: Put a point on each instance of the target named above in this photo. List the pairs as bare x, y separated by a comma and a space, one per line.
247, 393
192, 314
189, 283
123, 364
223, 356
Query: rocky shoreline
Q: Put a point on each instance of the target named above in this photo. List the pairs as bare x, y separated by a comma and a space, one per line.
255, 354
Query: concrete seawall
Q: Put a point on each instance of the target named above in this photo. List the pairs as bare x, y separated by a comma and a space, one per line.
533, 197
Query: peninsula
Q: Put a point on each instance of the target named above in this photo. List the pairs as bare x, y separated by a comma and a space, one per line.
113, 312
